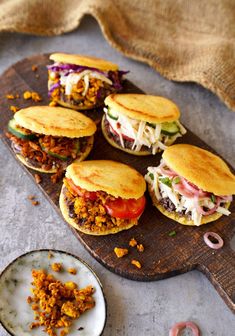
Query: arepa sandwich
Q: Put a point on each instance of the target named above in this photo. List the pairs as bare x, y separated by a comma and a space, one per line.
102, 197
141, 124
191, 185
48, 139
82, 82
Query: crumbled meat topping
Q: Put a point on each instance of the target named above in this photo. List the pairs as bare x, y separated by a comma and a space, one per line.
136, 263
120, 252
56, 267
55, 304
132, 242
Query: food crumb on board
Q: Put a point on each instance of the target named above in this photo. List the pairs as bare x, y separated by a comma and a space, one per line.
37, 178
10, 96
56, 304
132, 242
56, 267
72, 271
31, 197
136, 263
33, 201
50, 255
34, 67
32, 95
140, 247
14, 108
120, 252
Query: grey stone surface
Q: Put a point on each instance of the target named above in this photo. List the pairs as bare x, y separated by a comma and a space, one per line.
134, 308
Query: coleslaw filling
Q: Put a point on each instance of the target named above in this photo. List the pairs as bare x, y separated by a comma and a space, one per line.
187, 198
141, 133
69, 75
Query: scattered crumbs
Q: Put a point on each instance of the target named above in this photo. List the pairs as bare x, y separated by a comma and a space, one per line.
136, 263
132, 242
120, 252
36, 97
140, 247
14, 108
172, 234
35, 203
10, 96
56, 267
57, 176
34, 68
72, 271
80, 328
53, 103
50, 255
31, 197
32, 95
29, 299
27, 95
37, 178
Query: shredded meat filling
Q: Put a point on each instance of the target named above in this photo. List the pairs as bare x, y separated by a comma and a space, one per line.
34, 154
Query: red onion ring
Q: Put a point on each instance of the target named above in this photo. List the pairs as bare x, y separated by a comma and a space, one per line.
227, 198
174, 331
209, 243
207, 212
182, 190
168, 171
194, 189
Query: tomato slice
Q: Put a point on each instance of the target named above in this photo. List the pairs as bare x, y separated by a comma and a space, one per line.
125, 208
91, 195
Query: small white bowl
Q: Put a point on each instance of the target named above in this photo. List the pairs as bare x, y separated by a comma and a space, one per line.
16, 314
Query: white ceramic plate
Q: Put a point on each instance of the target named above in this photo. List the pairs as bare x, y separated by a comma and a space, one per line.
16, 314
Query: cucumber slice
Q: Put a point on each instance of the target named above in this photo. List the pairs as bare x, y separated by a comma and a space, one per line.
112, 115
20, 132
169, 128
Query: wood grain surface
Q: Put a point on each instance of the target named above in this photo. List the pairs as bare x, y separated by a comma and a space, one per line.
164, 256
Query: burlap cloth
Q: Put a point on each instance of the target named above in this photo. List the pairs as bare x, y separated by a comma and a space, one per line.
184, 40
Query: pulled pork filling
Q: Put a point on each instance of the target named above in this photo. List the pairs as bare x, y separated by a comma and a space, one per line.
82, 86
139, 135
176, 194
48, 152
88, 210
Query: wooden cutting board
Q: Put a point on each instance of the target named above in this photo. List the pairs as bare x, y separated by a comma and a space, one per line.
164, 256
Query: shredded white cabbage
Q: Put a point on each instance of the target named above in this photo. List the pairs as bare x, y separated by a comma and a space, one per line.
181, 203
139, 131
73, 78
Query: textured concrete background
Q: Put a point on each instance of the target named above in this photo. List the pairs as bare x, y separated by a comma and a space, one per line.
134, 308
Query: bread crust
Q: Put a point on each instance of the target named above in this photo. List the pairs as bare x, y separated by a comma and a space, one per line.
55, 121
202, 168
115, 178
89, 61
152, 109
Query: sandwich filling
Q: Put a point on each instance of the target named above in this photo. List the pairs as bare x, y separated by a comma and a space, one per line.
139, 135
98, 211
176, 194
82, 86
45, 151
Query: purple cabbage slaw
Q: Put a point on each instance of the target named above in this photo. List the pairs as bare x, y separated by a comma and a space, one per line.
71, 68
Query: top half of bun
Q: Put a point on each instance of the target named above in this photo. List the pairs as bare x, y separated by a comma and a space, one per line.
56, 121
89, 61
200, 167
152, 109
115, 178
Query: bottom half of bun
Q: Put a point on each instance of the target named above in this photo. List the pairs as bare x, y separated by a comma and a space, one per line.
181, 218
94, 230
